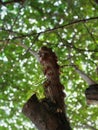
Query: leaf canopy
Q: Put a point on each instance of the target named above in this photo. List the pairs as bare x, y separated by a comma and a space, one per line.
70, 28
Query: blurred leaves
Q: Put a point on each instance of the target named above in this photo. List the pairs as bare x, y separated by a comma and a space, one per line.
27, 23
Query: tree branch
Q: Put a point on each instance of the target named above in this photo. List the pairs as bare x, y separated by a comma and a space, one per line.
55, 28
10, 2
33, 43
70, 24
29, 50
86, 78
86, 126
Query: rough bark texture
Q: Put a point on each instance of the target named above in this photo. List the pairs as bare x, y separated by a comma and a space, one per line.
92, 94
43, 116
48, 113
52, 87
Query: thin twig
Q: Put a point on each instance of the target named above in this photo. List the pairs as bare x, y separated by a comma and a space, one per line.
88, 30
33, 43
90, 33
86, 126
71, 23
35, 54
84, 50
14, 22
10, 2
56, 28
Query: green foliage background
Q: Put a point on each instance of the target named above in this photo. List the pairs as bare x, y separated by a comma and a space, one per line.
43, 22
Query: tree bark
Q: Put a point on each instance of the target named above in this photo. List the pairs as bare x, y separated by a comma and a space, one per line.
42, 114
92, 94
48, 113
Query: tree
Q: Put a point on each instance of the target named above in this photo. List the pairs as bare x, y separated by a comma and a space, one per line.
70, 29
48, 113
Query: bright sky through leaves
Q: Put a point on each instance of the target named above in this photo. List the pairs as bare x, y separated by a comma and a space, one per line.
51, 23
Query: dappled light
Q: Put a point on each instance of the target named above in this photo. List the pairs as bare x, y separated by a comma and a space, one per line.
70, 29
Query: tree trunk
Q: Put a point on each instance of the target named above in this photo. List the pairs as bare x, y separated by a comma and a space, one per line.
48, 113
41, 113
